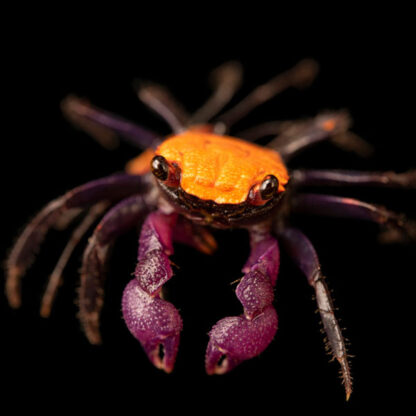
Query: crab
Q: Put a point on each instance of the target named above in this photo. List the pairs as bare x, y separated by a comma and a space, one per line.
197, 179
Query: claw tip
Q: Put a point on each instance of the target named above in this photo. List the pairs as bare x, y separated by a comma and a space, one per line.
13, 288
347, 395
14, 301
45, 311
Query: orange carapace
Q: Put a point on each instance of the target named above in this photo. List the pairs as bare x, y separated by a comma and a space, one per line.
219, 168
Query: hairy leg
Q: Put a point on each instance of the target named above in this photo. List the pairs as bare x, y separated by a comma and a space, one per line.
111, 188
299, 76
225, 80
159, 99
55, 279
238, 338
126, 215
334, 206
106, 127
354, 178
305, 133
305, 257
299, 135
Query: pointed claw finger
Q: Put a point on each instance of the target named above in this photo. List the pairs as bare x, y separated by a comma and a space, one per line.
155, 323
219, 361
236, 339
162, 352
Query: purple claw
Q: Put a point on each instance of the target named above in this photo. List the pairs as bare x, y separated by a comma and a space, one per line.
236, 339
154, 322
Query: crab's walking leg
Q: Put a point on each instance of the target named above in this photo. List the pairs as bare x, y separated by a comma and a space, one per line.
125, 215
334, 206
304, 255
105, 126
298, 136
299, 76
354, 178
226, 80
111, 188
295, 136
238, 338
159, 99
55, 279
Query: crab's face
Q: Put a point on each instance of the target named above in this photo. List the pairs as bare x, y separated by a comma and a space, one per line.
219, 180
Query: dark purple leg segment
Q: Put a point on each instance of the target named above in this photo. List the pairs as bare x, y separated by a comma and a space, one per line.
239, 338
335, 206
126, 215
299, 76
295, 136
111, 188
154, 322
226, 79
159, 99
304, 255
55, 279
405, 180
299, 135
104, 126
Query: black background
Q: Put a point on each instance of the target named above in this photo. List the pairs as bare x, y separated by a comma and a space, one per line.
365, 70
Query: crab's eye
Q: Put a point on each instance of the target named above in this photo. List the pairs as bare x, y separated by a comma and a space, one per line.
169, 173
262, 192
160, 168
268, 187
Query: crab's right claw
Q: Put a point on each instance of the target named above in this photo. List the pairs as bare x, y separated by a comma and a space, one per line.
236, 339
154, 322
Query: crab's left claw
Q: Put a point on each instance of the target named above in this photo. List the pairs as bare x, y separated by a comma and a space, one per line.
236, 339
239, 338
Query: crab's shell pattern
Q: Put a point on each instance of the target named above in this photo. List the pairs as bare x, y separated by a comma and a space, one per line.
221, 168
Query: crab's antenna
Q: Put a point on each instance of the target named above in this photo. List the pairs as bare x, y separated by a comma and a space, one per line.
300, 76
225, 81
161, 101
